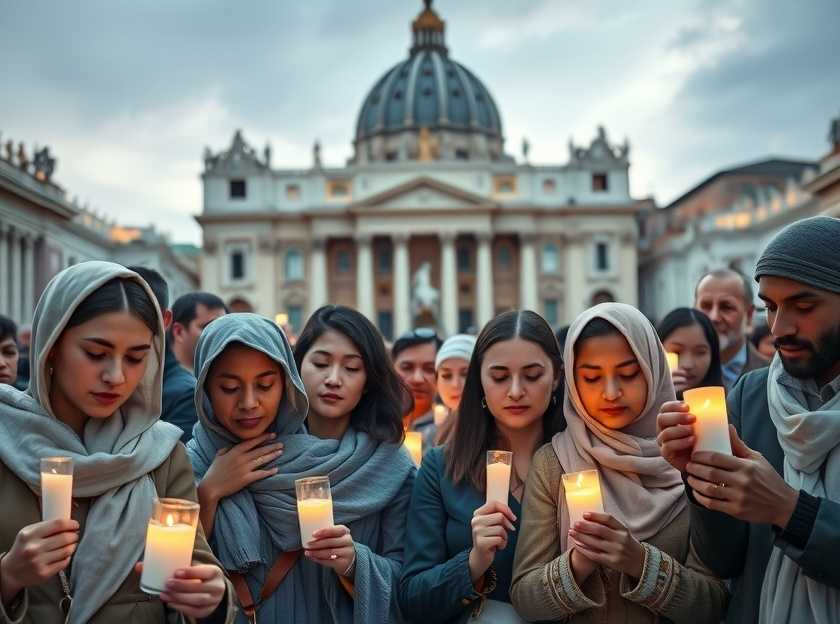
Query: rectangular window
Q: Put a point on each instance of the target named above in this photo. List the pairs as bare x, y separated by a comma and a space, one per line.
384, 260
343, 261
296, 317
550, 310
602, 256
549, 186
464, 257
465, 320
293, 192
237, 265
461, 154
600, 182
504, 184
238, 189
385, 321
338, 189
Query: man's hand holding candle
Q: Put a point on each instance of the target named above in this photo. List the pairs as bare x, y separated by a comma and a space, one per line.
490, 525
743, 485
605, 541
334, 548
195, 591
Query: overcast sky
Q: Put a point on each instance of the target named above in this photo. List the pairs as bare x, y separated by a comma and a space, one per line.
128, 94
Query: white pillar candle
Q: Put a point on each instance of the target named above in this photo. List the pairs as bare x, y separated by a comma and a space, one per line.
498, 475
673, 361
583, 494
56, 488
414, 444
170, 540
314, 503
711, 429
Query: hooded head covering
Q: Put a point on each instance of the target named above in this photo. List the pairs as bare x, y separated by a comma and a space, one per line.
639, 488
365, 474
113, 458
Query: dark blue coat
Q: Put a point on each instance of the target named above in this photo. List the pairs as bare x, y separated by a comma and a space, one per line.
178, 396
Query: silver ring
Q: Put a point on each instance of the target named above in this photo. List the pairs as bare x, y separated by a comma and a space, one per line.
333, 556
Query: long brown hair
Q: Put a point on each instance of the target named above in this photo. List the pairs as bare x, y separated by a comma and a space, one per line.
475, 431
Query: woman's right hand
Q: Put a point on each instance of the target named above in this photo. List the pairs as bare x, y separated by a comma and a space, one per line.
675, 433
238, 466
582, 566
40, 551
490, 525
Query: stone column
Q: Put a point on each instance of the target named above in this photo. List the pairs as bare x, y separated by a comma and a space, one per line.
402, 295
364, 277
15, 303
528, 297
27, 297
484, 279
448, 283
4, 271
318, 278
628, 269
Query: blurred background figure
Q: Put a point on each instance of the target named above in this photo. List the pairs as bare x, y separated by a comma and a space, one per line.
24, 337
726, 297
763, 340
9, 354
414, 354
191, 313
451, 366
691, 335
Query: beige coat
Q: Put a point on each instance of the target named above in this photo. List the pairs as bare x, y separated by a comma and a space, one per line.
674, 584
40, 604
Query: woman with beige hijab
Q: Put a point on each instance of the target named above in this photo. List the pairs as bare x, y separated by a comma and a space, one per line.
633, 563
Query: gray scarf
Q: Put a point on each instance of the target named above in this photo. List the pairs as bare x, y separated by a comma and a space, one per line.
112, 460
365, 475
810, 441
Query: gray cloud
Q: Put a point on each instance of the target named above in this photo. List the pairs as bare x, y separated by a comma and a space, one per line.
129, 93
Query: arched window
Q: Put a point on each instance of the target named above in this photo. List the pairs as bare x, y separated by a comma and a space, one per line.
550, 258
293, 265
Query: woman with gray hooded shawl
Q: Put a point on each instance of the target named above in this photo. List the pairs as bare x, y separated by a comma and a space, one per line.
249, 447
94, 396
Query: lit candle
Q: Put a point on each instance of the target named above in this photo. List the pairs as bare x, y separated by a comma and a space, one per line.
170, 539
414, 444
711, 429
56, 487
498, 475
583, 494
441, 414
673, 361
314, 503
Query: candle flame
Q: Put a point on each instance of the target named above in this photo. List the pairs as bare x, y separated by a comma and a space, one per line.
170, 520
579, 482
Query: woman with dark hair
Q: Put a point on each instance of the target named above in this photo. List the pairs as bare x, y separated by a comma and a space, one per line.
762, 339
250, 445
634, 563
690, 334
459, 549
94, 396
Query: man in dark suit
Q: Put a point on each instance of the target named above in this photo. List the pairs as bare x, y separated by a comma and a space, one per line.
726, 297
768, 516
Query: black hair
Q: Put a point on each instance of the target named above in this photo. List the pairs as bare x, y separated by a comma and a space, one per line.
746, 284
475, 430
686, 317
385, 398
596, 328
185, 307
759, 333
156, 282
413, 338
8, 329
118, 295
562, 333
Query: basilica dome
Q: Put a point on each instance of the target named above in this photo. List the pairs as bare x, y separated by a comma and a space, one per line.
428, 106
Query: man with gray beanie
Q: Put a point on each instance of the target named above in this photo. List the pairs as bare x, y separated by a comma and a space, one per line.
768, 516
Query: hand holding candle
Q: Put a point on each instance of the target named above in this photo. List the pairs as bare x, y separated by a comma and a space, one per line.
414, 444
170, 540
583, 494
56, 487
498, 476
711, 428
314, 503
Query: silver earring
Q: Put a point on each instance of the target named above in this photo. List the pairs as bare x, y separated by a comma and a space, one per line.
483, 403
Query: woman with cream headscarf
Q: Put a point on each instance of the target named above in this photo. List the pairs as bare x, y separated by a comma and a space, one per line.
251, 406
94, 396
633, 563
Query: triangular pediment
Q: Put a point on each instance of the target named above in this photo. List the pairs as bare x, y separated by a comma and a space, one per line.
423, 193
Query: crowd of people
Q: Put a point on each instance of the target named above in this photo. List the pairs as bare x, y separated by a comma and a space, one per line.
189, 401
